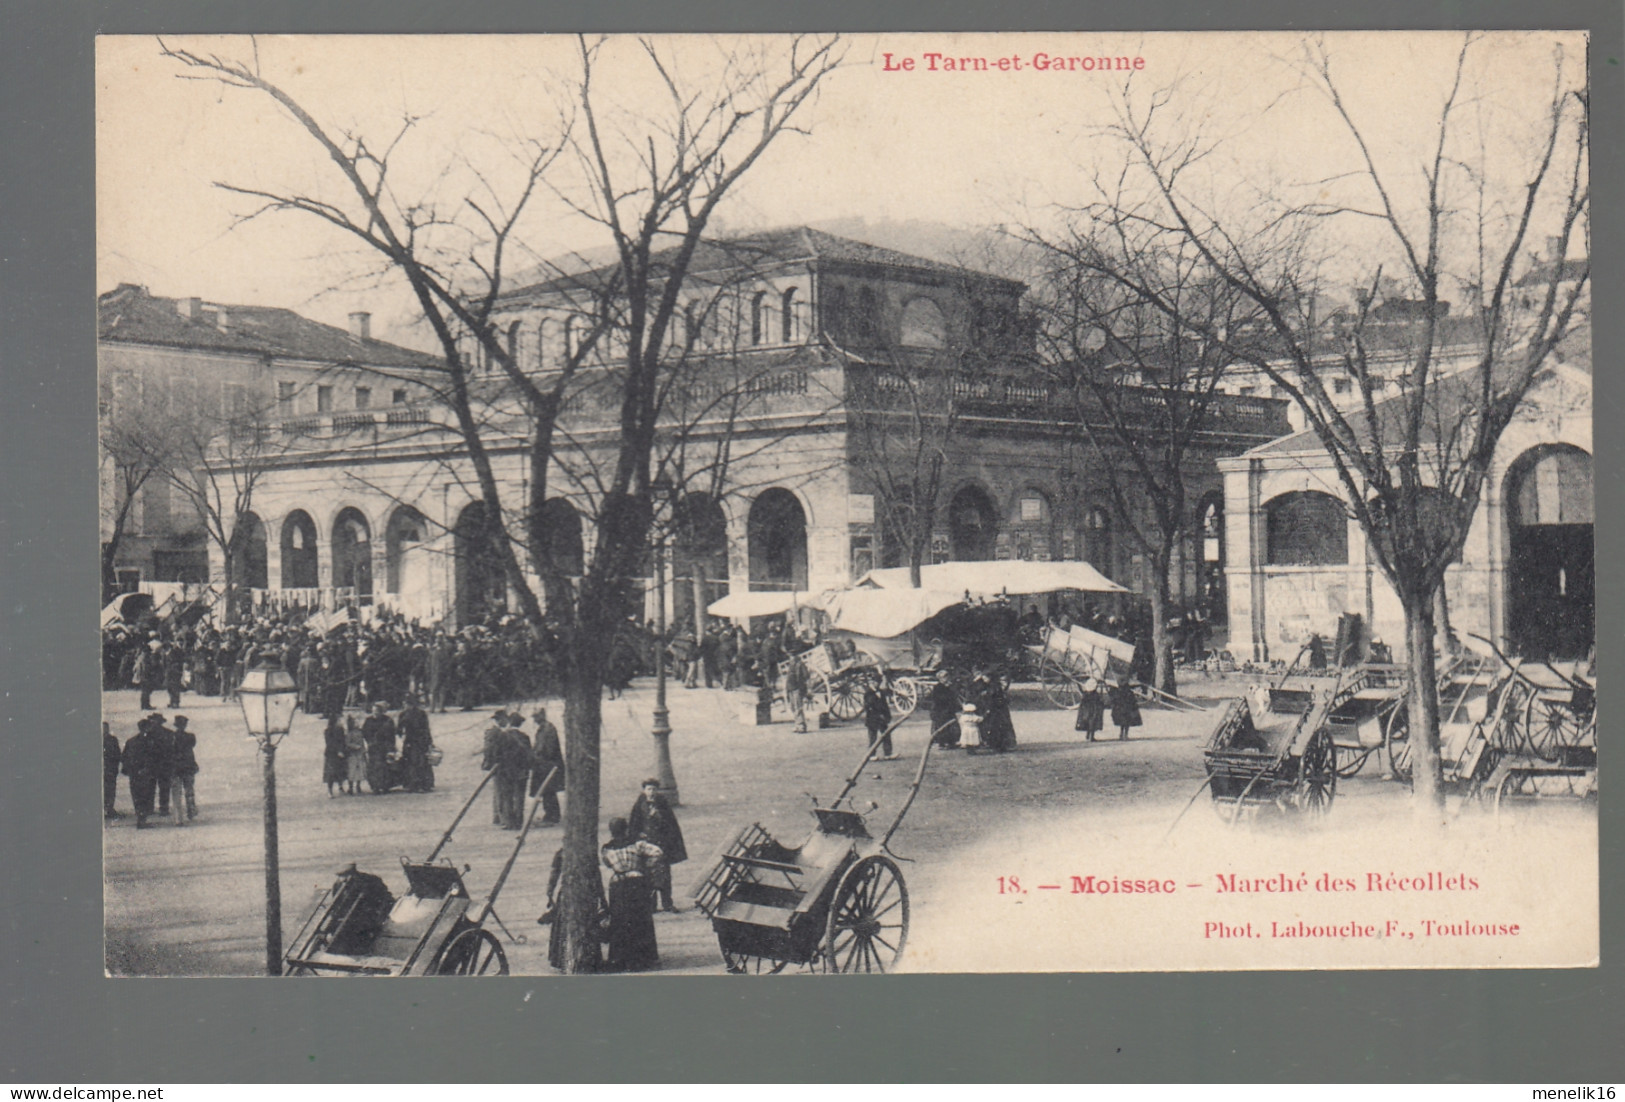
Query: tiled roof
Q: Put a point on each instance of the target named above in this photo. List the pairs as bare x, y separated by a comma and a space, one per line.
774, 247
130, 314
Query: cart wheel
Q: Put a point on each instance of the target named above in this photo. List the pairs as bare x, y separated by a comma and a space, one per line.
1548, 726
1317, 776
743, 964
1352, 759
868, 921
846, 698
902, 696
1060, 687
473, 952
1514, 785
1396, 739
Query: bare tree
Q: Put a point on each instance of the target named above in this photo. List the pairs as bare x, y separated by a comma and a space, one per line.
137, 438
215, 458
652, 180
1413, 450
1142, 383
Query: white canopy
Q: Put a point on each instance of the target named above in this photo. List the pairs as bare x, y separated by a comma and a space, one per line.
886, 613
989, 579
743, 606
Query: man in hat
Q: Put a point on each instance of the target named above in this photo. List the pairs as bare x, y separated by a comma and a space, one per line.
514, 763
183, 772
653, 820
163, 748
495, 736
547, 756
141, 766
174, 673
149, 672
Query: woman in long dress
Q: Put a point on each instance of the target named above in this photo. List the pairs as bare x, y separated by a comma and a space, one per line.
355, 756
334, 771
632, 946
1125, 708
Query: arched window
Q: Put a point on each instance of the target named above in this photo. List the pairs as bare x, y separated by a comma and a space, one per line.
973, 525
249, 553
1307, 528
545, 336
570, 338
352, 553
299, 551
403, 553
480, 583
789, 330
777, 539
761, 321
561, 539
516, 344
923, 325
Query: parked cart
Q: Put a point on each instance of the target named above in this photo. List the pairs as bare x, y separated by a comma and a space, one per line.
839, 671
1282, 758
358, 927
834, 901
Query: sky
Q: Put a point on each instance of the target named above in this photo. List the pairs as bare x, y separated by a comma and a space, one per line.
885, 142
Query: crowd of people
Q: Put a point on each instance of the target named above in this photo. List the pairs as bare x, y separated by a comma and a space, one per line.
160, 763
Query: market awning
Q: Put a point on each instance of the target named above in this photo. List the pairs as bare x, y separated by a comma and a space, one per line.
886, 613
743, 606
989, 579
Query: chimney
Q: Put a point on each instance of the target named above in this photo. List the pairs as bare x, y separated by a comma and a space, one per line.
361, 325
222, 320
189, 308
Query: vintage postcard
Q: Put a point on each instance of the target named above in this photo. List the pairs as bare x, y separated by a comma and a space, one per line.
705, 504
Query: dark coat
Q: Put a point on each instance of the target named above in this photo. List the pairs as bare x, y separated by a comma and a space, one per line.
547, 756
657, 823
876, 712
334, 770
112, 756
1125, 708
1091, 712
183, 757
140, 757
944, 714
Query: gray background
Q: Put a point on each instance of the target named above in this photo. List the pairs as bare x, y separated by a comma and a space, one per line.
61, 1022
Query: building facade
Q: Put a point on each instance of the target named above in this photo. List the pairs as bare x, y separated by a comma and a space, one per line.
780, 401
189, 371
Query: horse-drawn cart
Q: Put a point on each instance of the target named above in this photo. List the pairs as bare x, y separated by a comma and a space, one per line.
839, 671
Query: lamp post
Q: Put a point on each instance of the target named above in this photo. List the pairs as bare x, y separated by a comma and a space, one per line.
660, 490
268, 696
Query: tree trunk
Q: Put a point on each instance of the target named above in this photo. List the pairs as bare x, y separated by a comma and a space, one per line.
578, 900
1426, 780
699, 604
1161, 644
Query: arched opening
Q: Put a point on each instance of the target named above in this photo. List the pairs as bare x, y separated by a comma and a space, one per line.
777, 537
1031, 532
1551, 560
923, 325
1307, 528
405, 559
250, 557
545, 336
561, 537
789, 331
1210, 560
481, 584
699, 556
973, 525
761, 318
299, 570
1097, 540
352, 554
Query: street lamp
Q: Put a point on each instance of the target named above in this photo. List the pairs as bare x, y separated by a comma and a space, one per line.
268, 697
661, 490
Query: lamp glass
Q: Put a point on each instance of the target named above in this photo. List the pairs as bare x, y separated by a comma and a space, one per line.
269, 697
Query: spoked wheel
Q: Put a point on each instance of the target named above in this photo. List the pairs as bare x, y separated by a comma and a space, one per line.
1317, 776
1352, 759
1548, 726
868, 920
1396, 740
1060, 687
743, 964
902, 696
846, 697
473, 952
1516, 785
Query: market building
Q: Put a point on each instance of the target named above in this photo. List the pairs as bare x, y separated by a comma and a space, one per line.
790, 343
